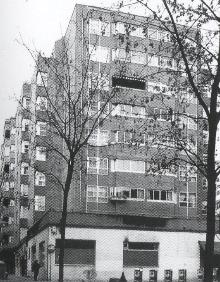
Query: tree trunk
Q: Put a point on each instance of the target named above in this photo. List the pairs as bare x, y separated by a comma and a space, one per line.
63, 221
211, 177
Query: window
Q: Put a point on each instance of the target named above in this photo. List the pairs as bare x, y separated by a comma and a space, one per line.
10, 220
135, 57
39, 203
33, 253
123, 28
6, 168
187, 173
97, 166
23, 212
25, 146
12, 166
98, 81
41, 128
119, 27
97, 107
128, 111
152, 34
189, 201
99, 54
7, 151
79, 252
12, 148
97, 194
42, 252
153, 60
42, 78
167, 62
160, 195
40, 178
24, 168
190, 122
40, 153
25, 124
26, 102
128, 166
41, 103
136, 31
158, 88
128, 83
204, 183
161, 114
6, 186
187, 96
98, 137
12, 184
99, 27
127, 193
130, 138
140, 254
12, 203
7, 133
163, 36
138, 57
24, 190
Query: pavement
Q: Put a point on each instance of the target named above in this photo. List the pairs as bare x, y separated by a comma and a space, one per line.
30, 279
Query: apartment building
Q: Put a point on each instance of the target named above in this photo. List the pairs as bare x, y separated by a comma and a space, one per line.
130, 207
8, 197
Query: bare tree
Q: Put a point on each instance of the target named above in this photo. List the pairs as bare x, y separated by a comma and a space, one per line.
73, 104
196, 53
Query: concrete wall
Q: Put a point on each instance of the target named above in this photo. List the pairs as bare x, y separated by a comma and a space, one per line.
177, 250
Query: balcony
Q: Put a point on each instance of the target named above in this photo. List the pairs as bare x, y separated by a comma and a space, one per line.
117, 198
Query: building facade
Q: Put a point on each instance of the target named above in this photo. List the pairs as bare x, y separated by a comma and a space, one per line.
8, 197
129, 198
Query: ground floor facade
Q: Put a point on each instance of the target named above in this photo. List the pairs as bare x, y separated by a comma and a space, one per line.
103, 247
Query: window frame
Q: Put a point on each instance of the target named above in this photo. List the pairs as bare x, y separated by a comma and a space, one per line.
39, 203
130, 163
187, 203
98, 169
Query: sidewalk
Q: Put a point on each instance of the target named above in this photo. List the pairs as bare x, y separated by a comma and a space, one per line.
30, 279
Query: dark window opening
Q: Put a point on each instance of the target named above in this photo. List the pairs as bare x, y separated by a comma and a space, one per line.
6, 168
142, 246
33, 253
6, 202
7, 133
5, 218
134, 193
80, 252
128, 82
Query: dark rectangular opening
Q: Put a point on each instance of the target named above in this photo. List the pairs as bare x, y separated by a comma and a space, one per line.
6, 168
128, 82
80, 252
7, 133
142, 246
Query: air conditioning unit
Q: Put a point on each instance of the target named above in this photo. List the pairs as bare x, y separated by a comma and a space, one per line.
168, 275
182, 275
53, 230
152, 275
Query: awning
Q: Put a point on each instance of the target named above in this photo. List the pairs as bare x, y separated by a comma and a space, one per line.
216, 247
